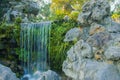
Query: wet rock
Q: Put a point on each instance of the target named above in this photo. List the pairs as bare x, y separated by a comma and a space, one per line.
26, 77
7, 74
48, 75
51, 75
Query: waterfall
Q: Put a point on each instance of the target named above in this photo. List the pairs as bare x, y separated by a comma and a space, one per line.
35, 46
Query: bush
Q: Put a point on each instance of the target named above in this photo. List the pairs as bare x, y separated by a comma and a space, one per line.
59, 48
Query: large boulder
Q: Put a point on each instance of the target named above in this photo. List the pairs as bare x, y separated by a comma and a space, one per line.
96, 54
7, 74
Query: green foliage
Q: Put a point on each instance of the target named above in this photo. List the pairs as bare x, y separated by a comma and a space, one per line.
10, 38
74, 15
65, 7
59, 48
10, 31
18, 20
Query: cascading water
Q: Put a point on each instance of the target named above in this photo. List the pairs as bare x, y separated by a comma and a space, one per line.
35, 46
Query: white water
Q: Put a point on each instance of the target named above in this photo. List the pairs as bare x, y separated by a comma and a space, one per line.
35, 46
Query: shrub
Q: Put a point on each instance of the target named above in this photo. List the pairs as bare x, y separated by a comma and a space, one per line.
59, 48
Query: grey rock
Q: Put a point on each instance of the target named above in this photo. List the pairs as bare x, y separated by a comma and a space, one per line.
101, 10
113, 53
108, 72
96, 56
114, 42
73, 34
94, 11
99, 39
48, 75
7, 74
96, 28
51, 75
114, 28
81, 49
82, 18
86, 50
91, 70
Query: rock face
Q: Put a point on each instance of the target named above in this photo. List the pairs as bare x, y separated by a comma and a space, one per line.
96, 55
7, 74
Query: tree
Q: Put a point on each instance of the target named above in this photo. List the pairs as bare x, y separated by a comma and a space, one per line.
65, 7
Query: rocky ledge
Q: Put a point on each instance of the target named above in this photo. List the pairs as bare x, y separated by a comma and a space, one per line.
96, 55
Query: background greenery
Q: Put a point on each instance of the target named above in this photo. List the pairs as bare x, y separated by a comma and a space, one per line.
58, 48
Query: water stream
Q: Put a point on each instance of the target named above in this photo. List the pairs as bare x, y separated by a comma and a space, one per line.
35, 46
